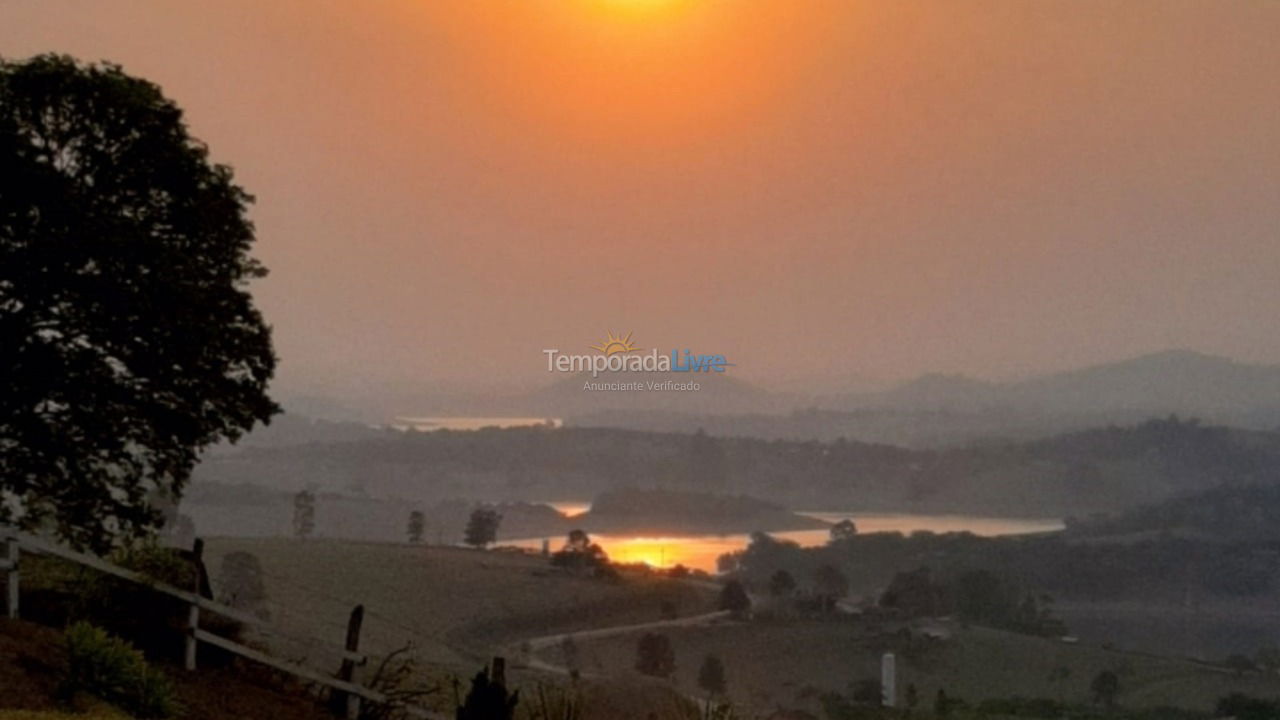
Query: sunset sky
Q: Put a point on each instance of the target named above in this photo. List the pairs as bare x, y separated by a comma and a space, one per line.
815, 189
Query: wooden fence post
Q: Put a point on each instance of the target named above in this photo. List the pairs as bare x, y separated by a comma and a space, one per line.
10, 565
348, 665
193, 610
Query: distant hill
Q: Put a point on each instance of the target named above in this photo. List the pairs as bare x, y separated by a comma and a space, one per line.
1078, 473
629, 510
932, 411
1228, 513
1171, 382
951, 410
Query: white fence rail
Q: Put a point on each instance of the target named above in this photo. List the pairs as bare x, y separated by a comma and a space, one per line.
14, 543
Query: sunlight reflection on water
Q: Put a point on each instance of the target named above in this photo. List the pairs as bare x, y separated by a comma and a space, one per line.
700, 551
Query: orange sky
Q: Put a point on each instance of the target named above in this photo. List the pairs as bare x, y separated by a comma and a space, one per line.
813, 188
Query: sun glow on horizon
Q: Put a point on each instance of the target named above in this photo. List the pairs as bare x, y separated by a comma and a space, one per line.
638, 9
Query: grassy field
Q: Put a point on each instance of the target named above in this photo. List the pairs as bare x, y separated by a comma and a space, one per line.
100, 714
790, 664
455, 605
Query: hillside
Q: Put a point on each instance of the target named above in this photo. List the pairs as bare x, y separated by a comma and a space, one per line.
1227, 514
454, 606
1170, 382
662, 511
938, 410
1073, 474
31, 661
973, 664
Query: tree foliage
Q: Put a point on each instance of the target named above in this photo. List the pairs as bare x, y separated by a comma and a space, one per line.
1105, 687
482, 527
843, 530
711, 675
128, 339
734, 598
655, 656
417, 524
781, 583
304, 513
580, 555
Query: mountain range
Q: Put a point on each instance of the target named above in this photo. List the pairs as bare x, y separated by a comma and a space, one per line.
931, 410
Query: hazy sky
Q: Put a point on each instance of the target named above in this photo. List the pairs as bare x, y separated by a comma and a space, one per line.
811, 188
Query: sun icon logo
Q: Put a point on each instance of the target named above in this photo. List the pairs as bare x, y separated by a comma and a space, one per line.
613, 345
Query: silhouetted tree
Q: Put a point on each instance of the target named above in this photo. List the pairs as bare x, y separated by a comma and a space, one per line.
488, 698
843, 530
417, 524
912, 697
578, 541
128, 339
482, 527
1105, 688
941, 704
579, 554
734, 598
781, 583
655, 656
728, 562
830, 585
304, 513
914, 593
711, 676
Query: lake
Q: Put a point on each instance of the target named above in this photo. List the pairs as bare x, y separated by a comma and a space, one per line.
700, 551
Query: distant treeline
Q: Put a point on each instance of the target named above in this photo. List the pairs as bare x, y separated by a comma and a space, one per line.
1073, 474
1160, 568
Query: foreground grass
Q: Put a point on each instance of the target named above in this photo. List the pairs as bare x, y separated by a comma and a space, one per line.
793, 663
456, 606
96, 714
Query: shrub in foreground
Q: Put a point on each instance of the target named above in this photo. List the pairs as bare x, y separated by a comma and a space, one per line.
111, 669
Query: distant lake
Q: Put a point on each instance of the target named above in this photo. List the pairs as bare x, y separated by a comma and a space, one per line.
427, 424
700, 551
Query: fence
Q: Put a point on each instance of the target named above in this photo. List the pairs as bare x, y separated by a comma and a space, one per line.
14, 543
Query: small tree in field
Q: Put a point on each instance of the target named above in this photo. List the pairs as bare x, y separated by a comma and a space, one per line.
734, 598
1105, 688
711, 676
580, 555
417, 523
482, 527
304, 513
655, 656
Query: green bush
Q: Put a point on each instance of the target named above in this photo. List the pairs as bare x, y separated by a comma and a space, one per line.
110, 668
156, 563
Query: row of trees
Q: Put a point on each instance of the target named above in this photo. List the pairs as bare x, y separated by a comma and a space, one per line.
656, 657
481, 530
